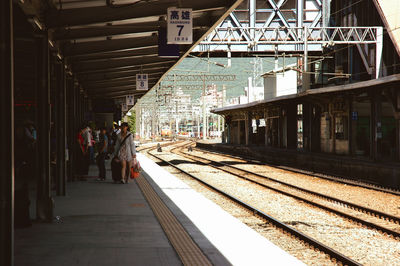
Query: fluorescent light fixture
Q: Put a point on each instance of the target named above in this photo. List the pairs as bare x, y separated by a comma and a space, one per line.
51, 43
38, 24
59, 56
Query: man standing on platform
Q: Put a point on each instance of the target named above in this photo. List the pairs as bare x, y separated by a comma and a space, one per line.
102, 149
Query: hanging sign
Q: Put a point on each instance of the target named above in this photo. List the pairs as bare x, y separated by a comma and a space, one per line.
130, 100
119, 101
124, 107
142, 83
179, 26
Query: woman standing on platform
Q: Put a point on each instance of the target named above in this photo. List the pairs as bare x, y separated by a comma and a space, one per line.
125, 151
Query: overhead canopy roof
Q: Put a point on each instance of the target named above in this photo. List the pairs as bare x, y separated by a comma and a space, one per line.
106, 42
384, 82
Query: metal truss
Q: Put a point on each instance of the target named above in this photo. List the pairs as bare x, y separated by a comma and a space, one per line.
246, 25
290, 26
230, 38
182, 86
200, 77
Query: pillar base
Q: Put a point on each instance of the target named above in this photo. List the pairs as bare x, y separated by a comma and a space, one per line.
45, 209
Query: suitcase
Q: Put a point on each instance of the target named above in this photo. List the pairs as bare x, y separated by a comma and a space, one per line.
116, 170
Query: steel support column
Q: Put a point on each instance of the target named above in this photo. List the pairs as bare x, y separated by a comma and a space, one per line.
397, 139
61, 129
71, 126
376, 124
6, 135
238, 133
76, 107
247, 125
326, 12
44, 206
266, 129
252, 17
76, 122
204, 110
379, 49
300, 13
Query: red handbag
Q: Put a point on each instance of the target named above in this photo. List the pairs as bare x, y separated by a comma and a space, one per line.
135, 170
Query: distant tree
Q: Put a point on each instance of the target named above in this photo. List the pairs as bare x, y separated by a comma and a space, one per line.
132, 121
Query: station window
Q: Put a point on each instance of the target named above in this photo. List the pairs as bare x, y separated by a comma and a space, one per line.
299, 109
341, 131
300, 126
300, 134
254, 125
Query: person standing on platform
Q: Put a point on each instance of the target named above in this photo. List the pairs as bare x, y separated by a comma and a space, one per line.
125, 151
89, 143
24, 167
101, 157
114, 135
81, 155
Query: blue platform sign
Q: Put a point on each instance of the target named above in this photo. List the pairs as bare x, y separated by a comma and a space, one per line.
179, 25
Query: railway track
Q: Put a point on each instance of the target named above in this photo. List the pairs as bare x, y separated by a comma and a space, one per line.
374, 219
329, 177
259, 213
153, 146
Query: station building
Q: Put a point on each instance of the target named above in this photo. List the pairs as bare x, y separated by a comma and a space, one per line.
347, 121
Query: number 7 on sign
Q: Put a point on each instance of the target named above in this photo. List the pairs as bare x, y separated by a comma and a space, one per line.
180, 29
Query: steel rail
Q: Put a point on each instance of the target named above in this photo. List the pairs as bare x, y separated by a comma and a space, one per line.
162, 145
356, 207
331, 177
313, 242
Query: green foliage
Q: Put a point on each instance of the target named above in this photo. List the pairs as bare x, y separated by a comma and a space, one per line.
132, 121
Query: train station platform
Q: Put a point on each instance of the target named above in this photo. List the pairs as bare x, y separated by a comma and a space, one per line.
101, 223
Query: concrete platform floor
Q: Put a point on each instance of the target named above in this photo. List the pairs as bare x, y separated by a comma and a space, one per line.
101, 223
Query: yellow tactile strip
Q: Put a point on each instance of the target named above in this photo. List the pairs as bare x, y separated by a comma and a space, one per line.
187, 249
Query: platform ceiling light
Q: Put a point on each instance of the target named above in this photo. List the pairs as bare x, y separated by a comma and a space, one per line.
59, 56
51, 43
37, 23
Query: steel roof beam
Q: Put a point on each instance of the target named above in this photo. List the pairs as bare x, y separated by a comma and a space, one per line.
127, 77
128, 67
85, 48
63, 34
112, 88
107, 84
116, 63
84, 16
115, 59
119, 74
117, 54
119, 94
122, 90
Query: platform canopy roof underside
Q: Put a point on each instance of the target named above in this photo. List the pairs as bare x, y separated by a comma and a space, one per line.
106, 43
321, 95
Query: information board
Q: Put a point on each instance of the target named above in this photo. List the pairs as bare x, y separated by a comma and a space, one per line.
124, 107
179, 26
142, 82
130, 100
